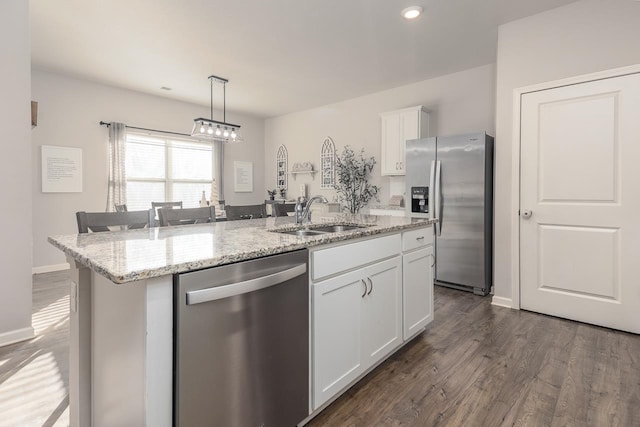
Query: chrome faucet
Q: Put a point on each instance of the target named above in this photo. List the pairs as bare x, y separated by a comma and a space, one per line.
299, 210
303, 212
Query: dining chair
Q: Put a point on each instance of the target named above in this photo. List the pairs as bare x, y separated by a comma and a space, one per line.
170, 216
282, 209
164, 205
157, 205
102, 221
245, 212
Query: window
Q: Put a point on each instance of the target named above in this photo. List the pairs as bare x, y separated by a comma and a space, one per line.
167, 169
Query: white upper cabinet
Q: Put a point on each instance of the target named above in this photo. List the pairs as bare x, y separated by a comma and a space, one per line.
397, 127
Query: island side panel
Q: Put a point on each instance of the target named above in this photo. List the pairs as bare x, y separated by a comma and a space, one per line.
80, 345
119, 351
160, 351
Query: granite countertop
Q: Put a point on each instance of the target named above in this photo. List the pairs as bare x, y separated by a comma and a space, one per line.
129, 255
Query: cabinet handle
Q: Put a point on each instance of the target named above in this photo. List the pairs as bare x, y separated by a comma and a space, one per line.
401, 165
365, 287
420, 238
370, 283
434, 260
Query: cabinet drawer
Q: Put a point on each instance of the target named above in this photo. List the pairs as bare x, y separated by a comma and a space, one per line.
417, 238
342, 258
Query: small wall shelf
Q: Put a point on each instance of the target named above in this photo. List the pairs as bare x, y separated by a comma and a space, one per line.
296, 173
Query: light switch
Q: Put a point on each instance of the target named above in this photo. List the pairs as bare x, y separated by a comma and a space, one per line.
73, 297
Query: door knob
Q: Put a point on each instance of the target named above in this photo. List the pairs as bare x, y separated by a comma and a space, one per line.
526, 214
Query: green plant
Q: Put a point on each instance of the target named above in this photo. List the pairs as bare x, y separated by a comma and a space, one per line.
272, 193
352, 186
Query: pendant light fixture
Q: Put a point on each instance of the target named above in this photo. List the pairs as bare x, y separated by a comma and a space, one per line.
215, 130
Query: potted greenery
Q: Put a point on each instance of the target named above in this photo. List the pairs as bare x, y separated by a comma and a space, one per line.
352, 186
272, 194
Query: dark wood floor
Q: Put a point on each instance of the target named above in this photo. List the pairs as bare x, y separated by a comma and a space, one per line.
479, 365
476, 365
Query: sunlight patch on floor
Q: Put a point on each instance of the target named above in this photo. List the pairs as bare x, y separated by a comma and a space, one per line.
63, 421
51, 315
33, 386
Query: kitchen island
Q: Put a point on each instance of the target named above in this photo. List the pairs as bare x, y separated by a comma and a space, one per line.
121, 354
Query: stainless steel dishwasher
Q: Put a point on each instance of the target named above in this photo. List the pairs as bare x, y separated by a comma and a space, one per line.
241, 347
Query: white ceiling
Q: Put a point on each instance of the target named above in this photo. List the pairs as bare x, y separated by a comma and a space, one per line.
279, 55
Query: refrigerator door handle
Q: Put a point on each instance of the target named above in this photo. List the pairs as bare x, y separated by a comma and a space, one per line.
438, 198
432, 187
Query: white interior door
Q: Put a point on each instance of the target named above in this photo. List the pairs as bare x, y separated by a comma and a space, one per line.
580, 202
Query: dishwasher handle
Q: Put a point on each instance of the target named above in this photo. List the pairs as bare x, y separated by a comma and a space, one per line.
226, 291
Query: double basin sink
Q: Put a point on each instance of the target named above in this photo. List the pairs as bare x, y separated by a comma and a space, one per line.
317, 231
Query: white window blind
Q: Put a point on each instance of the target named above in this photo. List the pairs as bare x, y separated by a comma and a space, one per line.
167, 169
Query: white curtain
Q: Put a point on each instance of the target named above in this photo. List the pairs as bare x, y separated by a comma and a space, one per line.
218, 152
117, 193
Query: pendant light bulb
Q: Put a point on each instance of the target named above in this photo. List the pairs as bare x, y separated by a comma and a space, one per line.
210, 129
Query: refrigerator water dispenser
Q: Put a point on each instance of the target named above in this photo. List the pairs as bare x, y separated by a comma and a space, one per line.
420, 199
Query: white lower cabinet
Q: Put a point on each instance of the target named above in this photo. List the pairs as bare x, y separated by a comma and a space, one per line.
337, 347
357, 321
382, 310
417, 270
368, 297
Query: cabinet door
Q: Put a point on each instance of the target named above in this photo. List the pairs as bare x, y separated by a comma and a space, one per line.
410, 129
382, 310
337, 352
417, 295
391, 132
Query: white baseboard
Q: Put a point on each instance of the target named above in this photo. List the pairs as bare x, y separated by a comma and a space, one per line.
502, 302
15, 336
50, 268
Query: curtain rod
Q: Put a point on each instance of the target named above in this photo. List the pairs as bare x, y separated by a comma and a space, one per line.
102, 123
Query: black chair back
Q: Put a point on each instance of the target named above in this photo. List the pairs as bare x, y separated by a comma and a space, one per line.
282, 209
103, 221
235, 213
170, 216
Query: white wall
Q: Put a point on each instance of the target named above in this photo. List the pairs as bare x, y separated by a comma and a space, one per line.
70, 110
15, 172
580, 38
460, 102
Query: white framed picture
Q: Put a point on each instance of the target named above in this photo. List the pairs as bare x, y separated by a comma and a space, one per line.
61, 169
242, 177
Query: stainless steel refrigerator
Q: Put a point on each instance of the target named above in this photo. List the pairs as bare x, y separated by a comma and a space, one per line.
451, 178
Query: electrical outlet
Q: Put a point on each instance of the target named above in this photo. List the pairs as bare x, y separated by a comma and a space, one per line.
73, 297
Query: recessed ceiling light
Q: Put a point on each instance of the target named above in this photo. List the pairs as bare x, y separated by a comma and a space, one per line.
412, 12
